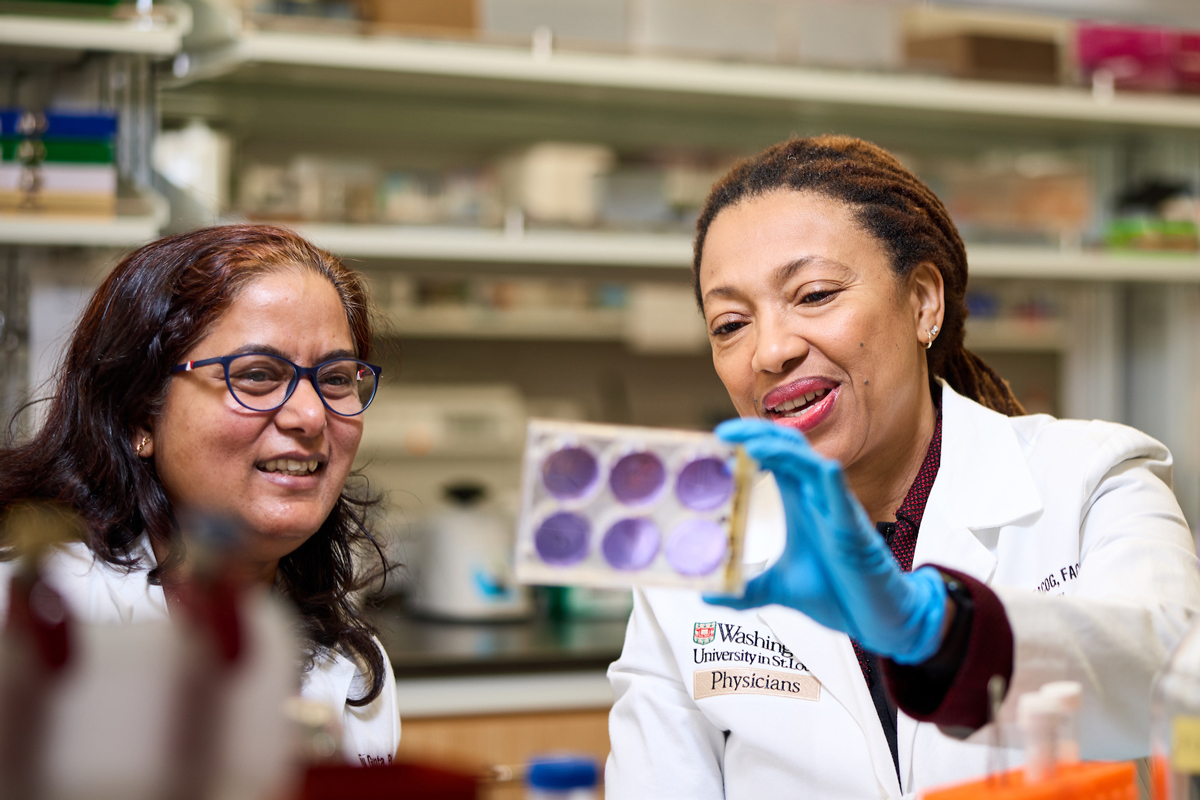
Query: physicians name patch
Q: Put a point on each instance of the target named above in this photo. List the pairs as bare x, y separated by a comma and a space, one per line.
713, 682
704, 632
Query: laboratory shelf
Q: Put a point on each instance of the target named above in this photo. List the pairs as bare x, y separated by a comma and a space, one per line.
494, 246
138, 220
993, 261
674, 251
342, 59
158, 34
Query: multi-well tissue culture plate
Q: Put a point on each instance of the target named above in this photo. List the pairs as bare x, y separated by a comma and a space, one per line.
618, 505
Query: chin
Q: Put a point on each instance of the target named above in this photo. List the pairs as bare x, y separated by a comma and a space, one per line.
284, 538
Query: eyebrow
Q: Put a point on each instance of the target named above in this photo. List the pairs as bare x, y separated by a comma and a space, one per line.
275, 351
783, 274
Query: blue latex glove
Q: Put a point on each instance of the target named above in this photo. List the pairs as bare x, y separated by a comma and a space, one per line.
835, 567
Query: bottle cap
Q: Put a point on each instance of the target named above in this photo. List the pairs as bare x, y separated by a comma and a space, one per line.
1067, 694
561, 772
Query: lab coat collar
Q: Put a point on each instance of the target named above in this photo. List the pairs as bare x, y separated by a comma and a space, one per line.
983, 482
984, 476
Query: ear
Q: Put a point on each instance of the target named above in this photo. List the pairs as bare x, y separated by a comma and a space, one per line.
926, 292
143, 442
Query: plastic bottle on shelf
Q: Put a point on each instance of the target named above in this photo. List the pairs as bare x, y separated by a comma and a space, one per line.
1067, 697
563, 777
1175, 723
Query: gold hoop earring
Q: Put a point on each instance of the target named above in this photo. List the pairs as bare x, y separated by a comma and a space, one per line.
142, 445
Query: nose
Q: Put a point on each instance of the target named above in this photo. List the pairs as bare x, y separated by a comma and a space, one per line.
777, 344
303, 412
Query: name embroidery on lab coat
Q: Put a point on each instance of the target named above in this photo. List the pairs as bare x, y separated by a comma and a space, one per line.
754, 647
712, 682
1057, 579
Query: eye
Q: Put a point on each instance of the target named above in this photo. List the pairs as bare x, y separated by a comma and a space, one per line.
816, 297
728, 328
256, 374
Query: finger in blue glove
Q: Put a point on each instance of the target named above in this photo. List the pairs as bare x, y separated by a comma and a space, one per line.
835, 567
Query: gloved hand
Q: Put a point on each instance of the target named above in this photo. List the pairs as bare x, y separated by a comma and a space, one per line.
835, 567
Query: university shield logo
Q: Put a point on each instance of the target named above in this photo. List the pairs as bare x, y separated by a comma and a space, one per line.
704, 632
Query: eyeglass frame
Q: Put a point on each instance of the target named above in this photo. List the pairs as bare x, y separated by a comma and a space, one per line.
298, 373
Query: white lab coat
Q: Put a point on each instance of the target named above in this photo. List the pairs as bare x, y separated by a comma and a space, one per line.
1072, 524
97, 592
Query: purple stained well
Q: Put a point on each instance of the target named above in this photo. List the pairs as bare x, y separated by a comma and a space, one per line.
570, 472
631, 544
704, 484
696, 547
562, 539
637, 477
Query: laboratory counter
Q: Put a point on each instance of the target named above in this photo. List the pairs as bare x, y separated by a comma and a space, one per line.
459, 668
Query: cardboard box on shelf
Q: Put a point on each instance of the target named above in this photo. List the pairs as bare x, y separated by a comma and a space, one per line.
994, 58
432, 16
985, 45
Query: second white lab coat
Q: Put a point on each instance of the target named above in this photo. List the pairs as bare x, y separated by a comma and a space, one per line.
1072, 524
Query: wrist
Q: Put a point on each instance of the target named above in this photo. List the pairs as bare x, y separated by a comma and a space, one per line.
953, 647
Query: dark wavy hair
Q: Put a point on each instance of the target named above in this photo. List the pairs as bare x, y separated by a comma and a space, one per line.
158, 303
895, 207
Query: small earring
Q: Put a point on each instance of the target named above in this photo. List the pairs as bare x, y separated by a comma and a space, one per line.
142, 445
932, 335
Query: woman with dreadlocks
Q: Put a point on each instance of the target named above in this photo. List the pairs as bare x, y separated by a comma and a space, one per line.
925, 554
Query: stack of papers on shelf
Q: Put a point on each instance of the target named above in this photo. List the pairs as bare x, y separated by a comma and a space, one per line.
58, 162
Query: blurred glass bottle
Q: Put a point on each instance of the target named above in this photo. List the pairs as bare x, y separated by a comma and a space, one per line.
1175, 723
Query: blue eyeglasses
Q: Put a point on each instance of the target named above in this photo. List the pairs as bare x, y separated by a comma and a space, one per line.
264, 382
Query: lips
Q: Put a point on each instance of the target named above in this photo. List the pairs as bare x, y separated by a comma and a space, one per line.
802, 404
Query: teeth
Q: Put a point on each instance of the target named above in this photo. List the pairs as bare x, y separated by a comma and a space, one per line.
286, 465
799, 402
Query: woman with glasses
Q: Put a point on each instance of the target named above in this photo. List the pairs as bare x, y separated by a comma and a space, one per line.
221, 371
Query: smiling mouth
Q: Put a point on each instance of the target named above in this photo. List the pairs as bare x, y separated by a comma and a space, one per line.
797, 405
285, 466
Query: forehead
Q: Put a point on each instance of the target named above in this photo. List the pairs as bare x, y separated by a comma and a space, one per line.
296, 307
763, 233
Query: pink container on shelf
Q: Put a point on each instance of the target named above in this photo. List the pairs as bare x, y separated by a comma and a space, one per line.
1187, 61
1137, 56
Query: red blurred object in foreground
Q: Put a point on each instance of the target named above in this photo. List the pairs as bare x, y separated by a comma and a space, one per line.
392, 782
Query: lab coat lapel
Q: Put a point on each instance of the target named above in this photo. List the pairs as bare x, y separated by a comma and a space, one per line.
829, 656
983, 483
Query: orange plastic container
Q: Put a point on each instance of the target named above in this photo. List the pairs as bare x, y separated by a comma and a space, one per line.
1096, 780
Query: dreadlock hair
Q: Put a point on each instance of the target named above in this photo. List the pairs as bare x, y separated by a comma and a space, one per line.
896, 208
155, 305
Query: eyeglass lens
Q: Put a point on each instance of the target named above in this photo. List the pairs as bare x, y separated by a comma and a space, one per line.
260, 382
